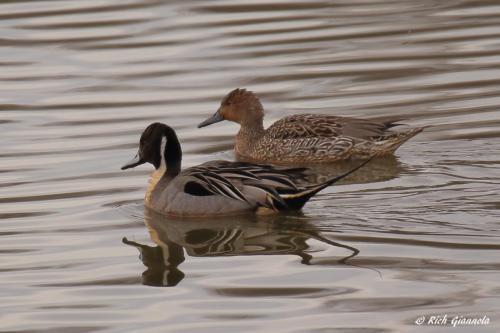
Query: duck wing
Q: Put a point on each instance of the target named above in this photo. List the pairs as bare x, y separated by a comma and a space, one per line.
258, 185
318, 125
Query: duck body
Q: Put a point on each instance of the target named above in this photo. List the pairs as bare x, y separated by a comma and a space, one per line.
319, 139
218, 187
169, 197
309, 138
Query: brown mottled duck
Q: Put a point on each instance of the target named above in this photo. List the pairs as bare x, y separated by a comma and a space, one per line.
305, 138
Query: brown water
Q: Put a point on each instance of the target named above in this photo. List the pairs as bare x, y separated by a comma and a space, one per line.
415, 235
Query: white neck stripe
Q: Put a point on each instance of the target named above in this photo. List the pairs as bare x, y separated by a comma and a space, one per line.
162, 152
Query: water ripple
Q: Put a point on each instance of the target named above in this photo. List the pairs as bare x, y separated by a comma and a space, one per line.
411, 235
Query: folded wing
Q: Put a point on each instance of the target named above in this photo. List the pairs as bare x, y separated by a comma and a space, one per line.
317, 125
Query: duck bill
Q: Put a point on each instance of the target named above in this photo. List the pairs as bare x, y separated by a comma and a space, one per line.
212, 120
137, 160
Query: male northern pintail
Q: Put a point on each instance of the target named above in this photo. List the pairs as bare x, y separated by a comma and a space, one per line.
305, 137
217, 187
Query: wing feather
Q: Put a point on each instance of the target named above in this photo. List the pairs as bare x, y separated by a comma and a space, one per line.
261, 185
319, 125
222, 188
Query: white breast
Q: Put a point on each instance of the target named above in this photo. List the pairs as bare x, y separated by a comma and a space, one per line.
157, 174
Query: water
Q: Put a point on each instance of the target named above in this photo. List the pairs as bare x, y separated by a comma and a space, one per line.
413, 235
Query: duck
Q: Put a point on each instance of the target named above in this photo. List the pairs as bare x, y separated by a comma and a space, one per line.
305, 138
218, 187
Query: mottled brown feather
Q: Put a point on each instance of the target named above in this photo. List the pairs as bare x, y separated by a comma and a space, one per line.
318, 125
308, 137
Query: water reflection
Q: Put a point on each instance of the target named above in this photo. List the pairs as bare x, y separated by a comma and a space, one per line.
80, 79
162, 263
235, 236
380, 169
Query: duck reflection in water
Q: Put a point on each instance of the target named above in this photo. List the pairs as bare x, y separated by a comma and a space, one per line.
381, 169
235, 236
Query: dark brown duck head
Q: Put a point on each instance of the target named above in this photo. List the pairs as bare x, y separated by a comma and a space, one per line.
241, 106
159, 146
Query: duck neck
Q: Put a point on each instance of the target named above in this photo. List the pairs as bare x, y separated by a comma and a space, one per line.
169, 164
250, 132
171, 154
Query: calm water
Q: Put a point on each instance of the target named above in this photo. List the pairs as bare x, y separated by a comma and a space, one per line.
414, 235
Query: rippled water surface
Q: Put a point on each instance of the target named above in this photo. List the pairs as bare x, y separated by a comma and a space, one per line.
410, 236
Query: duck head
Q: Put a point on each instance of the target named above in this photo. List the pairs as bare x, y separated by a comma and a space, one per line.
240, 106
160, 147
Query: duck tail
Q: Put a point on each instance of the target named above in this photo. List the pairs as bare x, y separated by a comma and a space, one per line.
396, 140
298, 200
392, 122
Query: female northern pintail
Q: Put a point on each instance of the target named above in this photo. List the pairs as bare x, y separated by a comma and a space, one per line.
217, 187
305, 137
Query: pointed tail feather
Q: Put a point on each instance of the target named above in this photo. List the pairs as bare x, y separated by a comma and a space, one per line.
393, 122
298, 200
394, 143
